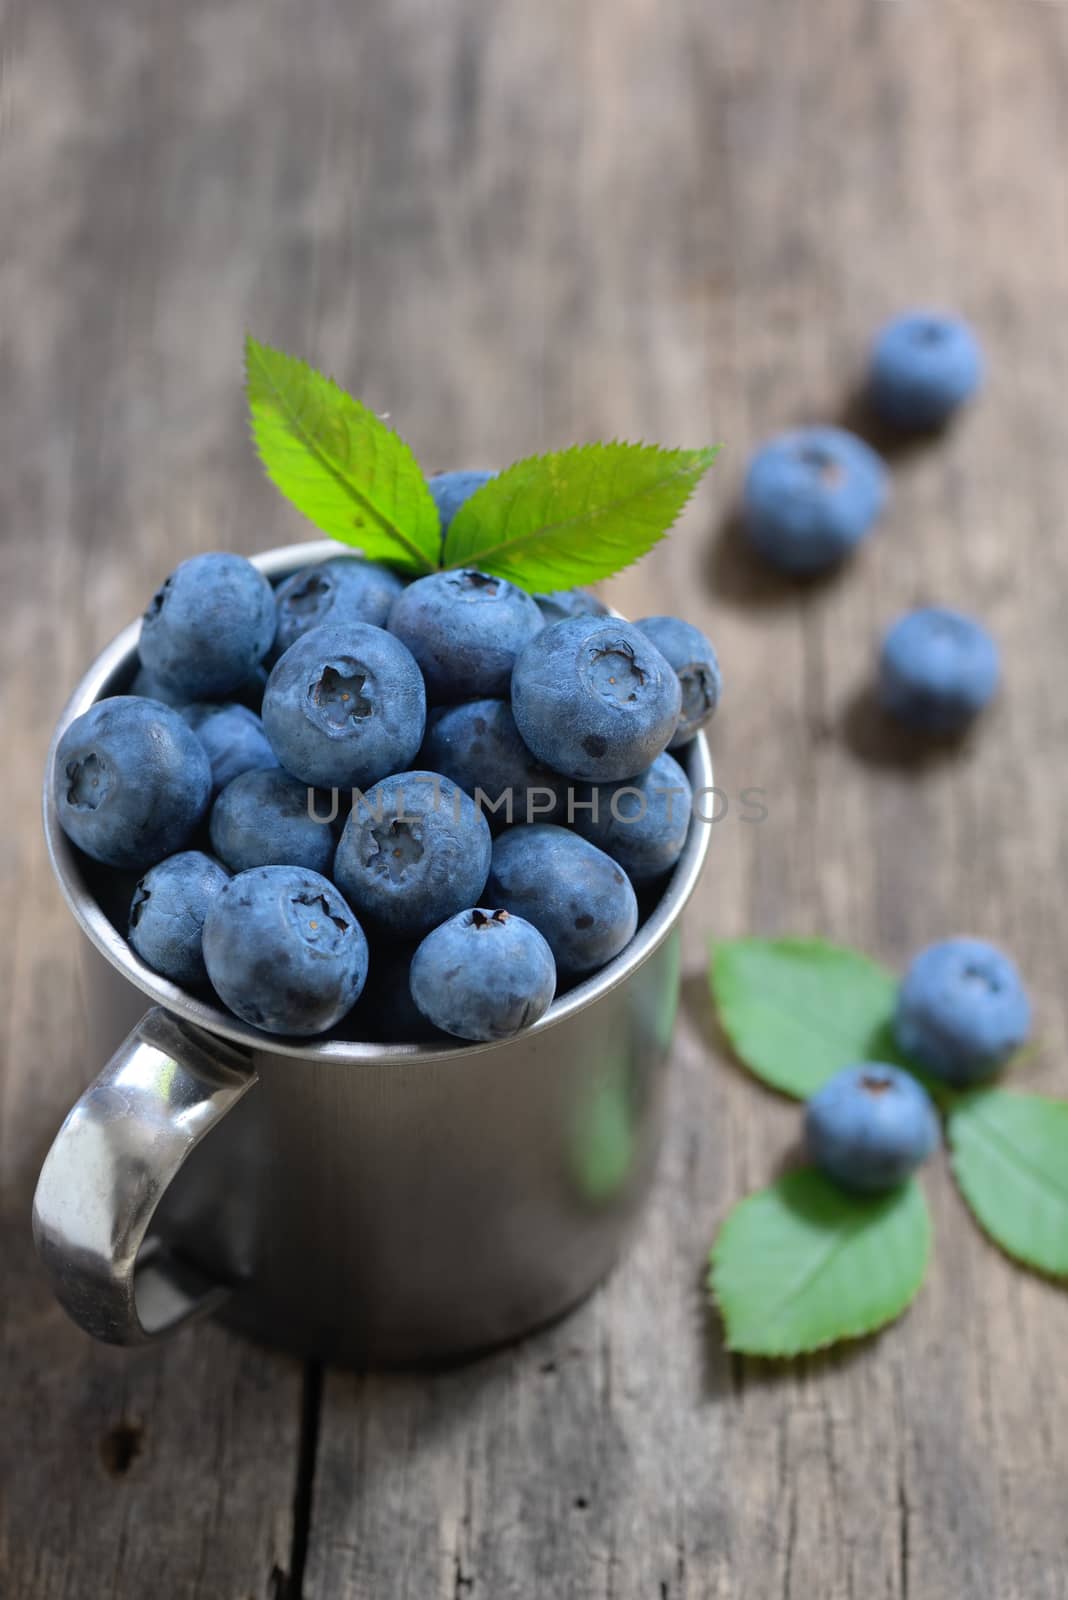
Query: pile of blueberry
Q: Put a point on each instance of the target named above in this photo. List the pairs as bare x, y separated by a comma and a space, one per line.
813, 494
962, 1011
451, 782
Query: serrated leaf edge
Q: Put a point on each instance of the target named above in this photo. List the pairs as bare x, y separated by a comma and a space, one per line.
253, 347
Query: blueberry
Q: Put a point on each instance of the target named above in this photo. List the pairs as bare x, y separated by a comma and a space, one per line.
415, 850
131, 782
696, 664
451, 489
465, 629
642, 823
924, 365
477, 745
937, 670
284, 951
810, 496
594, 698
577, 897
483, 975
233, 738
962, 1010
209, 626
870, 1127
344, 706
265, 818
146, 686
167, 914
560, 603
345, 589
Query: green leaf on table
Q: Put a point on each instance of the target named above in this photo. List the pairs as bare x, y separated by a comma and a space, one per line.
798, 1010
338, 462
803, 1264
1010, 1157
574, 516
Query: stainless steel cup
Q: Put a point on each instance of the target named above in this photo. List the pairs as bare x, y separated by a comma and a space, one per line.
356, 1202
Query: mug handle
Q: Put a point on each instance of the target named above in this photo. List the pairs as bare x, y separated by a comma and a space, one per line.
108, 1168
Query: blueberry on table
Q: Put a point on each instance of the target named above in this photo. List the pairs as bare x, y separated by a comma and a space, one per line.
557, 604
478, 746
167, 914
696, 665
962, 1010
233, 739
344, 706
483, 975
131, 782
870, 1127
810, 496
924, 365
209, 626
415, 850
266, 818
578, 898
451, 489
642, 823
344, 589
465, 629
594, 698
937, 670
284, 951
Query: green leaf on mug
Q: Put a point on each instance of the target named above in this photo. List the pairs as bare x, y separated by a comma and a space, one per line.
1010, 1158
803, 1264
338, 462
798, 1010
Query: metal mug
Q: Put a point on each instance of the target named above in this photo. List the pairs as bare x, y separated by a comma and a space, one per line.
361, 1203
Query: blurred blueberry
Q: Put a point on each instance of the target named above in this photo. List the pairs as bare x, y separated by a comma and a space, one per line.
870, 1127
962, 1010
924, 365
451, 489
937, 670
810, 496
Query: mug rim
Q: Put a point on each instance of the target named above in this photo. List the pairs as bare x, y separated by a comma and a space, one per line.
117, 657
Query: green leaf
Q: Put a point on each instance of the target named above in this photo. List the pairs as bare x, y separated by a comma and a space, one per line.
803, 1264
797, 1010
1010, 1157
576, 515
338, 463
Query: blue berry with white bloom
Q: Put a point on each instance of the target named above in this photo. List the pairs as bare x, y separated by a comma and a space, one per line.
131, 782
477, 745
697, 668
811, 495
284, 951
344, 706
233, 739
962, 1010
415, 850
266, 818
209, 626
870, 1127
593, 698
578, 898
483, 975
642, 823
924, 366
344, 589
465, 629
167, 914
937, 670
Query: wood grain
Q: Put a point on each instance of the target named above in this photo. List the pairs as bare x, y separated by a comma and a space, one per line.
512, 226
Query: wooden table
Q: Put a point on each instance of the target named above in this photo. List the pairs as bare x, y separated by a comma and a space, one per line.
513, 225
